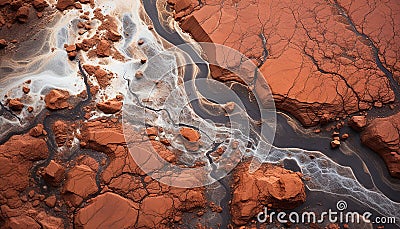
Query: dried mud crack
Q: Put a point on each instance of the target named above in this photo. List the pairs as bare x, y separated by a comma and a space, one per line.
70, 160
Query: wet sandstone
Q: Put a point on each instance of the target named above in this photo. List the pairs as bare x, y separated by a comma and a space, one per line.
323, 61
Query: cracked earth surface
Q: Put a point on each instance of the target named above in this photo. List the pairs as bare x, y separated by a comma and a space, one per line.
71, 167
319, 57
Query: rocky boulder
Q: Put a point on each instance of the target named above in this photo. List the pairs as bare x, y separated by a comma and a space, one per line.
382, 136
268, 186
357, 122
108, 210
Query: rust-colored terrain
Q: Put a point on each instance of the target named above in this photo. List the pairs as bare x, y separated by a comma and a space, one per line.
327, 62
323, 60
71, 170
319, 57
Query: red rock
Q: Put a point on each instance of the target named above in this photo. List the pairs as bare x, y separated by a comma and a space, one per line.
272, 185
304, 81
139, 74
102, 76
90, 162
23, 14
103, 48
86, 44
182, 5
53, 173
4, 2
40, 4
335, 143
78, 5
15, 105
191, 137
60, 130
382, 136
51, 201
333, 226
101, 137
22, 222
90, 69
113, 35
190, 134
3, 43
57, 99
48, 221
71, 51
357, 122
64, 4
72, 55
108, 210
16, 4
37, 130
121, 162
70, 48
16, 158
110, 106
80, 183
130, 186
154, 210
152, 131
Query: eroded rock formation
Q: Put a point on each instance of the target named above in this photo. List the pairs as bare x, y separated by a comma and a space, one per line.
383, 136
84, 175
57, 99
318, 58
270, 186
